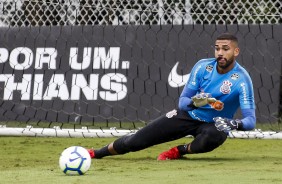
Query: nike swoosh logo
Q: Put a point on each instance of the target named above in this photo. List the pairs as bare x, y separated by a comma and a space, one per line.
175, 80
73, 159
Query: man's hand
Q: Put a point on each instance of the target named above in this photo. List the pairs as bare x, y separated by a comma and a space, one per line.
226, 125
202, 99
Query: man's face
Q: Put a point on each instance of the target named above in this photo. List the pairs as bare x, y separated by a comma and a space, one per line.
225, 53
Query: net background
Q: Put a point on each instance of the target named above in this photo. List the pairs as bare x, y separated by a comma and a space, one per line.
140, 12
20, 13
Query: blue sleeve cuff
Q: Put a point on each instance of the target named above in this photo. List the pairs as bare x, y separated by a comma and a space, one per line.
185, 102
249, 119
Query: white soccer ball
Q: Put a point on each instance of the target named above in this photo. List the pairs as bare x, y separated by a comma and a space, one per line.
75, 160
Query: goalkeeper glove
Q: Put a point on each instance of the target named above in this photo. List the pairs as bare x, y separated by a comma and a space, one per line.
202, 99
226, 125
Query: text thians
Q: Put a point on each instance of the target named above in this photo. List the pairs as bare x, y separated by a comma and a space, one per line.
94, 75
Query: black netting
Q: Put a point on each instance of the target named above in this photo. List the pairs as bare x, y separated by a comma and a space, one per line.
92, 63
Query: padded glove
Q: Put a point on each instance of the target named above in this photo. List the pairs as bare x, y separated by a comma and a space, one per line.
226, 125
202, 99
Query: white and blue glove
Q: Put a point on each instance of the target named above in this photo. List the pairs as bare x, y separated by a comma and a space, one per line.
226, 125
202, 99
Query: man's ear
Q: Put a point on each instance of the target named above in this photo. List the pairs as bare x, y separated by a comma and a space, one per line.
236, 51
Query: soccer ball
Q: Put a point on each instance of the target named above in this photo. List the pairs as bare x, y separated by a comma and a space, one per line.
75, 160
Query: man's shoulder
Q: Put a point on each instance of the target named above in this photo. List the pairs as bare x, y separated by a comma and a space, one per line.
242, 72
241, 69
206, 61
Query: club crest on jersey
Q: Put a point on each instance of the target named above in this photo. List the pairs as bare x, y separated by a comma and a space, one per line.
234, 76
226, 87
171, 113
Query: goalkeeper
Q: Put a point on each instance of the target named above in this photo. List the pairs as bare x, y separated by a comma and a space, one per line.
217, 87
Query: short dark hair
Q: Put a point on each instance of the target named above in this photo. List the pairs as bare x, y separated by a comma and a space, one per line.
227, 36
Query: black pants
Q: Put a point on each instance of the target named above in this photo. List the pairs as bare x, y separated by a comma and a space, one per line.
174, 125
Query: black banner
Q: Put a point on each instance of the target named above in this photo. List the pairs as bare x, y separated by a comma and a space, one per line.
122, 73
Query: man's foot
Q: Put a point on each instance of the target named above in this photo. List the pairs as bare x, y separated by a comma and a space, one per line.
91, 153
171, 154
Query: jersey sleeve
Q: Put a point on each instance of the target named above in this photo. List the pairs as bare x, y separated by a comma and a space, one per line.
191, 87
246, 93
195, 77
185, 100
249, 119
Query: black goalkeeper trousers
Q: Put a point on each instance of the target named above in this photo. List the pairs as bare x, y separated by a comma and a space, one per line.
171, 126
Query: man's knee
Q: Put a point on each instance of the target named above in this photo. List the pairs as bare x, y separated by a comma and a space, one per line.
215, 136
128, 144
207, 141
135, 144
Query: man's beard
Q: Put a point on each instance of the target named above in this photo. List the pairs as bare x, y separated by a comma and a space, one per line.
227, 62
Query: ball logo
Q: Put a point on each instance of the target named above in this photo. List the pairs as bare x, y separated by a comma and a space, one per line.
225, 88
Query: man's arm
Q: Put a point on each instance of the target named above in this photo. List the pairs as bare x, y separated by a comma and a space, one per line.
247, 103
185, 102
249, 119
189, 100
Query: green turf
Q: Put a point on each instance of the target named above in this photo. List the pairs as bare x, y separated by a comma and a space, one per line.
35, 160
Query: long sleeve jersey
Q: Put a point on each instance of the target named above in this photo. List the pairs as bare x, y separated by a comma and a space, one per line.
234, 89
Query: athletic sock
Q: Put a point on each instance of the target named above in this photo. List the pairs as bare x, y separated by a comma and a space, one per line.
183, 149
102, 152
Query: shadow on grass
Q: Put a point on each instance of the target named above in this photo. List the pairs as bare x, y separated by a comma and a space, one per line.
181, 159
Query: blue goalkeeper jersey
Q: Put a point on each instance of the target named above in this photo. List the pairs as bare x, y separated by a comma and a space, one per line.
234, 89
